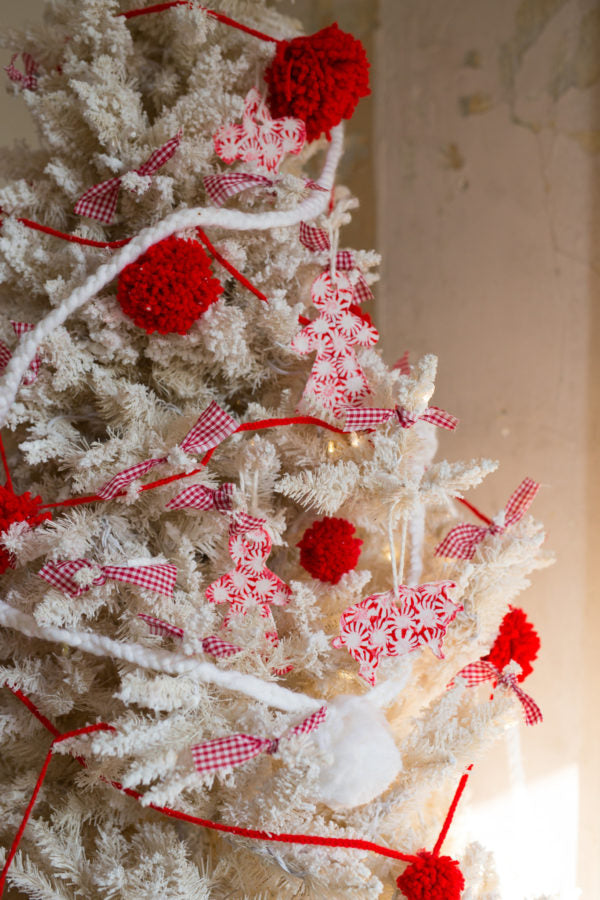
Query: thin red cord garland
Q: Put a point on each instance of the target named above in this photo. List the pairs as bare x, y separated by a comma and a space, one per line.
160, 7
245, 426
474, 510
255, 834
5, 465
227, 265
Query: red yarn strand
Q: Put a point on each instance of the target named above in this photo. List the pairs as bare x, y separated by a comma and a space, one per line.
450, 814
225, 20
86, 242
246, 426
9, 484
474, 510
255, 834
227, 265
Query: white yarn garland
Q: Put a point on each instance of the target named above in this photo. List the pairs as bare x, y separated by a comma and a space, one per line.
161, 661
178, 221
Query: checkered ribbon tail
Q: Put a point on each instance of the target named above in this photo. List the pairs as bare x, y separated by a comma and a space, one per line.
159, 578
213, 426
28, 81
221, 187
313, 238
241, 523
480, 671
198, 496
317, 241
214, 646
100, 201
6, 355
157, 626
228, 752
462, 540
369, 419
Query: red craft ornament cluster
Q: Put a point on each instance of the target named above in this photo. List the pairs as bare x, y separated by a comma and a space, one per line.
328, 549
319, 79
17, 508
517, 640
432, 877
169, 287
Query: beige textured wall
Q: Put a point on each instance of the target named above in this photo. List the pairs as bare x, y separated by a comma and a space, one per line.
487, 141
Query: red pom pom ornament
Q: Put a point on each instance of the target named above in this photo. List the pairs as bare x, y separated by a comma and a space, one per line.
17, 508
517, 640
319, 79
169, 287
432, 877
328, 549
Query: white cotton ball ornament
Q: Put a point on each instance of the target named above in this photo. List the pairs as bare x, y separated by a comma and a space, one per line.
364, 758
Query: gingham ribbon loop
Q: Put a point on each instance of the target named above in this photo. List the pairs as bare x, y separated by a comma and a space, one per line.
20, 328
198, 496
317, 240
214, 646
228, 752
213, 426
462, 541
221, 187
28, 81
480, 671
242, 522
368, 419
159, 577
100, 201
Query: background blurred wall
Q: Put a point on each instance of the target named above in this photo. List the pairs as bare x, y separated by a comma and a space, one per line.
476, 164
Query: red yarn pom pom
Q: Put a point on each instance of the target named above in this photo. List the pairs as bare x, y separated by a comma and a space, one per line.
319, 79
328, 549
432, 878
17, 508
517, 640
168, 287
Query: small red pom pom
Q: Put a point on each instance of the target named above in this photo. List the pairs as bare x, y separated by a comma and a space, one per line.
432, 878
328, 549
517, 640
17, 508
319, 79
169, 287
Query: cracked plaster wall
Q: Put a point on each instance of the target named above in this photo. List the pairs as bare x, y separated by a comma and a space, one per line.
487, 128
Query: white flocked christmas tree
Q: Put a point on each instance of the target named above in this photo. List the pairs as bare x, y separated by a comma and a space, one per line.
238, 590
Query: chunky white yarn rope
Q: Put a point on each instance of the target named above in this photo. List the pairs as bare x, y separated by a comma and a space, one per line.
162, 661
187, 218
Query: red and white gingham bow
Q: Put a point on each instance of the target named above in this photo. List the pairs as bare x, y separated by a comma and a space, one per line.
214, 646
461, 542
28, 81
198, 496
20, 328
480, 671
159, 577
221, 187
368, 419
213, 426
317, 240
227, 752
100, 201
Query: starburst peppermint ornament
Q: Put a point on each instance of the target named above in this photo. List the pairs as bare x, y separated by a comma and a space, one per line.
377, 627
336, 379
260, 139
250, 585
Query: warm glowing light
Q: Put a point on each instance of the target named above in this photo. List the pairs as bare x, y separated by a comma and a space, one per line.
331, 448
354, 439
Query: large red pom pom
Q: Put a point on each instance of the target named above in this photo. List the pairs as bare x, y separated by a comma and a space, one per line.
432, 878
517, 640
319, 79
328, 549
17, 508
169, 287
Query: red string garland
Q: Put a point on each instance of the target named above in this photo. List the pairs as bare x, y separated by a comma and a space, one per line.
439, 864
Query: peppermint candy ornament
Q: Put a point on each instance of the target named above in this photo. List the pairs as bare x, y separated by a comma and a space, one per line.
376, 627
260, 139
251, 584
336, 379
